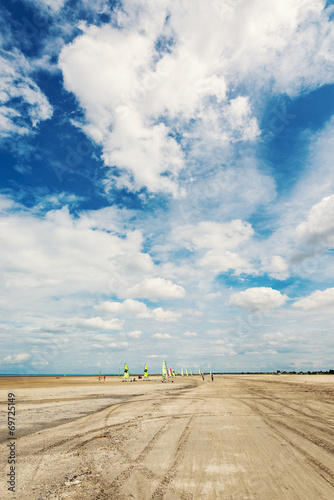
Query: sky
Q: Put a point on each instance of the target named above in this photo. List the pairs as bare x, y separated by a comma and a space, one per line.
167, 185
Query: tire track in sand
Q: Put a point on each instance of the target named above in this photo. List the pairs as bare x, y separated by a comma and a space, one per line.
325, 472
168, 478
118, 482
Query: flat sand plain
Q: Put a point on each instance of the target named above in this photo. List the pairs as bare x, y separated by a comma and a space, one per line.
239, 437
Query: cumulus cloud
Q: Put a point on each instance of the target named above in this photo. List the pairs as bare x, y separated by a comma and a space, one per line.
317, 300
220, 239
161, 336
258, 299
138, 308
155, 288
160, 314
277, 267
22, 103
118, 345
135, 334
96, 323
240, 123
116, 99
319, 226
279, 339
190, 334
60, 255
17, 358
128, 306
168, 79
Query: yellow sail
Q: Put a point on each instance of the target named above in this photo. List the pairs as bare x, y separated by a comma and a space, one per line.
182, 372
164, 369
173, 371
145, 371
187, 372
126, 371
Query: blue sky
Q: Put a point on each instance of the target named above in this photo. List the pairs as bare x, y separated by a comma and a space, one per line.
167, 185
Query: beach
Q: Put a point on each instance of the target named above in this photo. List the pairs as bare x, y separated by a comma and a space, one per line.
238, 437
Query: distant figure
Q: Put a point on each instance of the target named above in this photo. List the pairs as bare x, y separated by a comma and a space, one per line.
104, 378
212, 377
202, 376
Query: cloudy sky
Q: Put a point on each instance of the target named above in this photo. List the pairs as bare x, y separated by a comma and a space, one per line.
167, 185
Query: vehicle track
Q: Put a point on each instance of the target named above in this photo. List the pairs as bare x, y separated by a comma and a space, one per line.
326, 472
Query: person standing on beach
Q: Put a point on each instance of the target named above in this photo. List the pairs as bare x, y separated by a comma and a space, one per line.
104, 378
212, 377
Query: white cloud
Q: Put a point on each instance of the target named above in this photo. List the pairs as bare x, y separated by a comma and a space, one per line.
279, 339
215, 235
155, 288
115, 97
319, 226
160, 314
161, 336
190, 334
279, 43
118, 345
95, 323
240, 123
220, 239
317, 300
102, 337
135, 334
258, 299
134, 103
128, 306
139, 309
54, 5
276, 266
72, 258
22, 104
17, 358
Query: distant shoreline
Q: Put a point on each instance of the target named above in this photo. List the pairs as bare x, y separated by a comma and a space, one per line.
328, 372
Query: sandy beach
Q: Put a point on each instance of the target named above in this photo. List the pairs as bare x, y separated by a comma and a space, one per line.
239, 437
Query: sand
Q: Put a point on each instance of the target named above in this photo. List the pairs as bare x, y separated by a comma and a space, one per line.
239, 437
